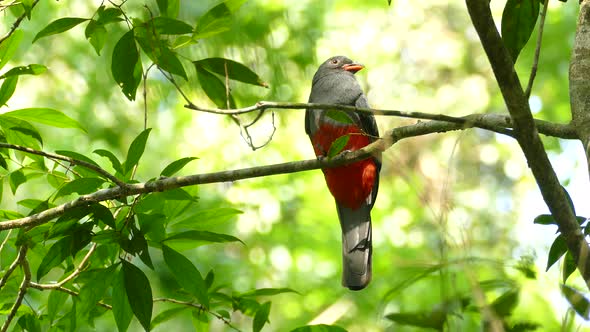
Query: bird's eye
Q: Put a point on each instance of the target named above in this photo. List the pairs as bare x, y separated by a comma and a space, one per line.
334, 61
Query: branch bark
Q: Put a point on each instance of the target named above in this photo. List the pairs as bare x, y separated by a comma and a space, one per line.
495, 122
527, 135
580, 80
390, 138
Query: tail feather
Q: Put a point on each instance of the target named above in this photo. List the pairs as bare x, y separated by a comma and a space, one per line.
356, 246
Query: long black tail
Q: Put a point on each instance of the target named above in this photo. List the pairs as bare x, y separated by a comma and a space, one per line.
357, 247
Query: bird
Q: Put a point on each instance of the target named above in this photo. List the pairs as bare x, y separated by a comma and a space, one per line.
353, 186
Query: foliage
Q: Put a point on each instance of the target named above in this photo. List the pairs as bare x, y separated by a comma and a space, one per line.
169, 257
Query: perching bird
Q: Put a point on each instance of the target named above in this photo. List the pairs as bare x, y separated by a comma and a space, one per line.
353, 186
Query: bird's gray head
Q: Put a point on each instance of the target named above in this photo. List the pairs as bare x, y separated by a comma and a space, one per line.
337, 65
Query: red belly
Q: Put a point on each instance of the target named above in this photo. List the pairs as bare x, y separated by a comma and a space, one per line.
351, 184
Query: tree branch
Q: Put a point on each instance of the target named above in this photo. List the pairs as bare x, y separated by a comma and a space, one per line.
72, 161
579, 80
392, 136
67, 291
72, 275
22, 290
490, 121
526, 134
17, 23
200, 307
535, 66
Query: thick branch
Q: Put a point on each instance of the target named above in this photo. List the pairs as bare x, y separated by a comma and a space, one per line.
580, 80
392, 136
526, 134
491, 121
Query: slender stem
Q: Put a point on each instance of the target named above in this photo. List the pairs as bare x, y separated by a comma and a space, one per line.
90, 166
72, 275
200, 307
535, 66
22, 290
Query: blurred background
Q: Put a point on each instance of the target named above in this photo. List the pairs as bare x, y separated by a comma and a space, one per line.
454, 215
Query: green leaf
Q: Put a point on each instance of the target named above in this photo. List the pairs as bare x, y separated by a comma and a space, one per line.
58, 252
505, 303
569, 200
434, 319
339, 116
46, 116
169, 8
126, 65
168, 61
206, 218
215, 21
96, 34
55, 303
545, 219
139, 293
235, 70
267, 292
214, 88
15, 179
76, 155
20, 132
338, 145
319, 328
169, 26
94, 286
9, 46
176, 166
58, 26
577, 300
187, 275
102, 213
32, 69
209, 279
558, 249
569, 266
7, 89
29, 322
261, 317
80, 186
112, 158
167, 315
136, 150
152, 225
121, 307
109, 15
518, 22
203, 236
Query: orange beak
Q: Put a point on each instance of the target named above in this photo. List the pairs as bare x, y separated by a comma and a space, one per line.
353, 67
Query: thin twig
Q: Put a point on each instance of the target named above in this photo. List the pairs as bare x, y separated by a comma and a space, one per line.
11, 268
90, 166
67, 291
3, 244
22, 290
499, 123
17, 23
535, 66
200, 307
226, 85
72, 275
